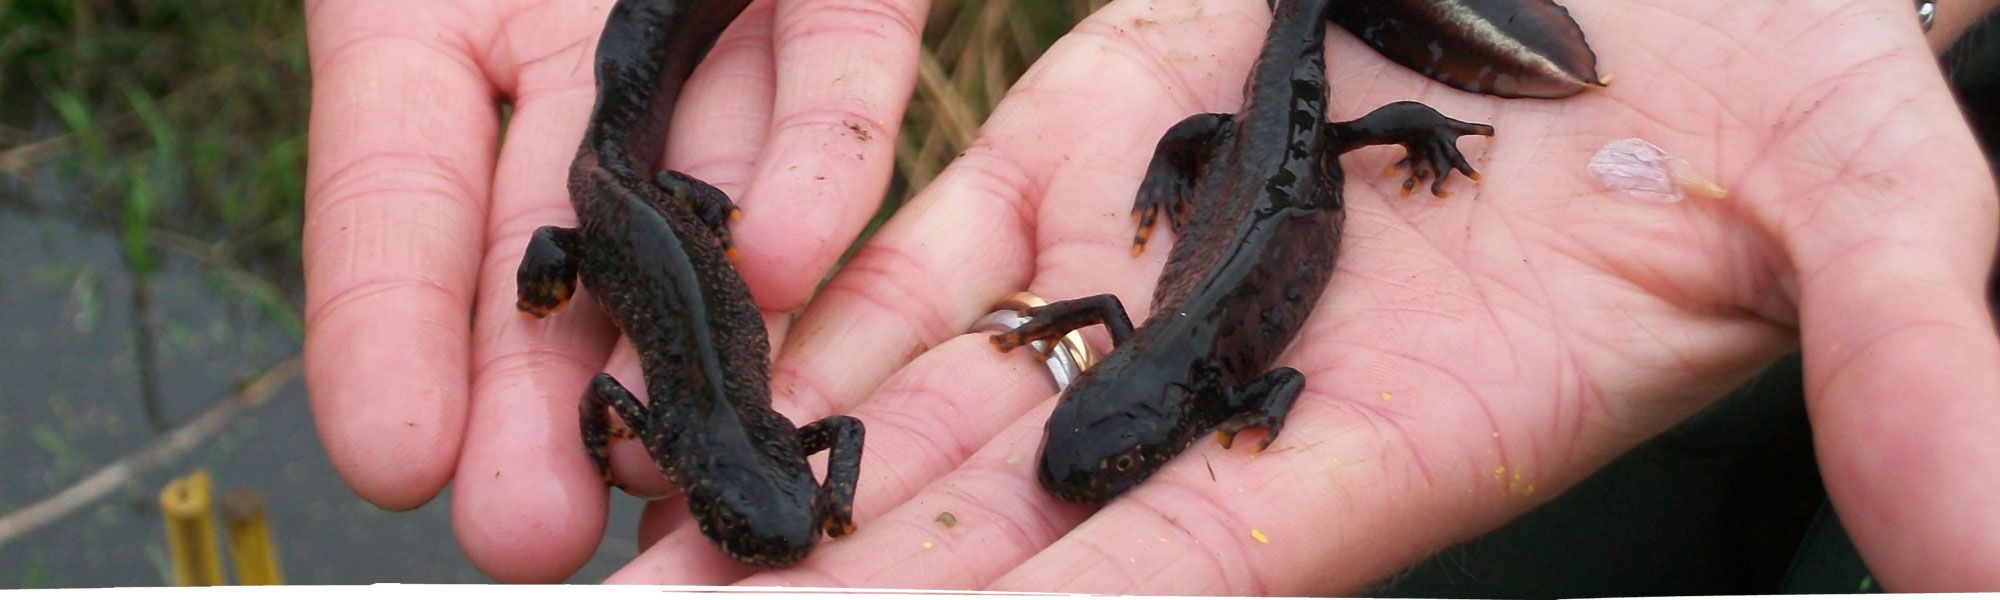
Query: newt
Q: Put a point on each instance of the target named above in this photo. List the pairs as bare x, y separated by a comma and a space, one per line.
1254, 200
655, 254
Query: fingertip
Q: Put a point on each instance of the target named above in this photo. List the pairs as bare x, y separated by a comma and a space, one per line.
406, 487
392, 474
844, 71
797, 224
517, 527
390, 425
528, 505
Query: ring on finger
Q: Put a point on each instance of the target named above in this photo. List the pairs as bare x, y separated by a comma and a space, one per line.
1067, 360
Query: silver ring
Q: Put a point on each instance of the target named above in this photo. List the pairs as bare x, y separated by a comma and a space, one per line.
1926, 13
1071, 355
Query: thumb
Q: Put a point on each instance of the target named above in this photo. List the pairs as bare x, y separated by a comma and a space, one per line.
1902, 364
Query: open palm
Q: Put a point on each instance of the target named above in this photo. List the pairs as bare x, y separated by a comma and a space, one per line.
1474, 356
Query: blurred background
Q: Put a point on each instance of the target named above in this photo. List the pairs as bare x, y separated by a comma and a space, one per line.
151, 167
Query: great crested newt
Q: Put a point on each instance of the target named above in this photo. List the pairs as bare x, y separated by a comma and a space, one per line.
655, 253
1254, 200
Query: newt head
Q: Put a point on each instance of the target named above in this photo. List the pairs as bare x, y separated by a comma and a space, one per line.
754, 517
1108, 433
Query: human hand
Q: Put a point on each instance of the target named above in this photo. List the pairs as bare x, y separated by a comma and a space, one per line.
1473, 357
419, 368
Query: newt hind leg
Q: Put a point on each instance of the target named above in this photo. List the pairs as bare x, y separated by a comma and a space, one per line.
547, 276
708, 204
834, 503
598, 428
1430, 138
1169, 182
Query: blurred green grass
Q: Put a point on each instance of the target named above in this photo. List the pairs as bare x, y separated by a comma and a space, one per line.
178, 124
181, 125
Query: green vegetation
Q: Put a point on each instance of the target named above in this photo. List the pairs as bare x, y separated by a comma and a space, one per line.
180, 121
181, 125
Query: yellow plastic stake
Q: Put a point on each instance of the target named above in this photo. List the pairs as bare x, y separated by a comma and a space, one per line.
250, 539
191, 531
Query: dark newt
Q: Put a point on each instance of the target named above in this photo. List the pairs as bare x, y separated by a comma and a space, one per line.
654, 252
1505, 48
1255, 202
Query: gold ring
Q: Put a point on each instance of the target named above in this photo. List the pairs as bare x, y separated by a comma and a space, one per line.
1071, 356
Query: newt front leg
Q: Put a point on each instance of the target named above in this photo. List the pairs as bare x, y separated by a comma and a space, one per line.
547, 276
708, 204
1430, 138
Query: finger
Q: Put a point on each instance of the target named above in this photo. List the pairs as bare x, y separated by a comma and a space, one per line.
719, 126
841, 326
723, 118
658, 519
1361, 478
1084, 230
397, 180
1226, 522
999, 515
530, 505
1899, 346
1900, 394
947, 234
923, 423
982, 228
722, 124
845, 69
953, 206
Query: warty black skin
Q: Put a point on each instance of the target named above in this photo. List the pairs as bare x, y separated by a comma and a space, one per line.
1255, 203
654, 252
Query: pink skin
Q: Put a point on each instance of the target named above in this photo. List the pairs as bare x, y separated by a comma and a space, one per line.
1474, 357
414, 222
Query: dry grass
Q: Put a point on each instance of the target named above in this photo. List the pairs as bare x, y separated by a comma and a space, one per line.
973, 51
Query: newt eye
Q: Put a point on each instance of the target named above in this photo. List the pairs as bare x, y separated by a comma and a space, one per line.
1126, 461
